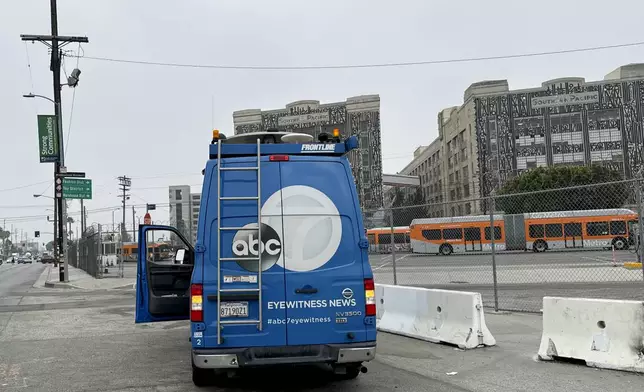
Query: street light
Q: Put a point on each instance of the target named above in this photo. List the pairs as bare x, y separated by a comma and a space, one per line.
48, 197
61, 163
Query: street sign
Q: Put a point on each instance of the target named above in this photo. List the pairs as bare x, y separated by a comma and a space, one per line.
71, 174
151, 207
147, 219
48, 139
59, 188
75, 188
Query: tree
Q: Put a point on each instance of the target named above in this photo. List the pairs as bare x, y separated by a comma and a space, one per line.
50, 246
583, 198
4, 236
407, 208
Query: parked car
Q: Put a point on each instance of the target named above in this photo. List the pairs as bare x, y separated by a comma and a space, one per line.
47, 259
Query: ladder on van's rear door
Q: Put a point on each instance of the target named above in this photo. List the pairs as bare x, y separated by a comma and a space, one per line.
220, 259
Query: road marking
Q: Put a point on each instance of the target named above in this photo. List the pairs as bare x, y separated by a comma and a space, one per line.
390, 262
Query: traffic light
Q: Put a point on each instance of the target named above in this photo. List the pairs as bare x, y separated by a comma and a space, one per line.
37, 234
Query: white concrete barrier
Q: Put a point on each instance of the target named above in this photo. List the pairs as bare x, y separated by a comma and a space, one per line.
605, 333
438, 316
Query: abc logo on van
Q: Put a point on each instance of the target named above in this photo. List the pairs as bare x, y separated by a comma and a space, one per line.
246, 244
310, 223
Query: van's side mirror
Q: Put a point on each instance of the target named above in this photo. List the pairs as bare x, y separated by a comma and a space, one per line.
178, 258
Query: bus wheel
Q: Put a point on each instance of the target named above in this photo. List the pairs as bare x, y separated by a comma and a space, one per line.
620, 243
446, 249
540, 246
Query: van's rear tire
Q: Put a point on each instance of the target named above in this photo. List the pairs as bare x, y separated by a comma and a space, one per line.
352, 372
202, 377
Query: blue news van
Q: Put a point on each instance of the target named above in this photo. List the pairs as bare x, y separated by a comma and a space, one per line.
279, 273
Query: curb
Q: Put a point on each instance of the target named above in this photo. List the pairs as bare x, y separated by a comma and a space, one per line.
60, 285
632, 265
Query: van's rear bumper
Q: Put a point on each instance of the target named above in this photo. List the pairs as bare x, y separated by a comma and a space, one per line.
282, 355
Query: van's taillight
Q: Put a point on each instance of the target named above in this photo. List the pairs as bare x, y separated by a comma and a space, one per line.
196, 303
278, 158
370, 297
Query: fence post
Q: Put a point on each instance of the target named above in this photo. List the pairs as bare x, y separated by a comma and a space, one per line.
640, 204
393, 247
98, 262
121, 257
493, 246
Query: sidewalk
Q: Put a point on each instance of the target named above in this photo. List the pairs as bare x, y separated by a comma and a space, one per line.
79, 279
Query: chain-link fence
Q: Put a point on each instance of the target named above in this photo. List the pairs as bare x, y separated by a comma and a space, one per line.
89, 251
579, 241
106, 252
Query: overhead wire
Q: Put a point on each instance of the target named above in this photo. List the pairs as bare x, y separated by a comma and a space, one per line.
370, 65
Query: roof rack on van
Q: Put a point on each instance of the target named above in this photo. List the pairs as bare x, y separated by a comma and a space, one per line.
280, 142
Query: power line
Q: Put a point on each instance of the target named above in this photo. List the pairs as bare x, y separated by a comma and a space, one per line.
24, 186
31, 77
372, 65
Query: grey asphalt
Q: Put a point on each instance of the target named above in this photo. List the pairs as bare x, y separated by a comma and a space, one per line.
587, 274
86, 340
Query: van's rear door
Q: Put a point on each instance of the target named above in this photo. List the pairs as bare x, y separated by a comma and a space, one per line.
325, 297
243, 276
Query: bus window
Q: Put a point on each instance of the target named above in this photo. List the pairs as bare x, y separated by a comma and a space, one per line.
407, 238
572, 229
384, 239
618, 228
536, 231
596, 229
554, 230
432, 235
632, 226
453, 234
399, 238
497, 233
371, 238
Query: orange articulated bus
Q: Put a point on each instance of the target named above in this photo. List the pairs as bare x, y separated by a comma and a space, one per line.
537, 231
159, 251
380, 239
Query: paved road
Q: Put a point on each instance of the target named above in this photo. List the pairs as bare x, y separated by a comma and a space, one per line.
86, 340
523, 278
17, 278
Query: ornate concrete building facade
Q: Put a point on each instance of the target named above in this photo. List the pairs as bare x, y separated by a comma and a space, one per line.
566, 121
357, 116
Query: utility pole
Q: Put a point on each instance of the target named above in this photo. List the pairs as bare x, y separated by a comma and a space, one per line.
124, 186
133, 224
82, 225
55, 43
125, 183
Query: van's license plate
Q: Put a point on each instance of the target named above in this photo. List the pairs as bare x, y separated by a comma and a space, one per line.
234, 309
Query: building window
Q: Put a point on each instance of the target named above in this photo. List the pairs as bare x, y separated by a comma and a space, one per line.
177, 194
365, 157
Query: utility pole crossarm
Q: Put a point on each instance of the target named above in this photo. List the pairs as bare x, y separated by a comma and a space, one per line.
49, 38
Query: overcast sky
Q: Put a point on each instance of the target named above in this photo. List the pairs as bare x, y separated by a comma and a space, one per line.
153, 123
